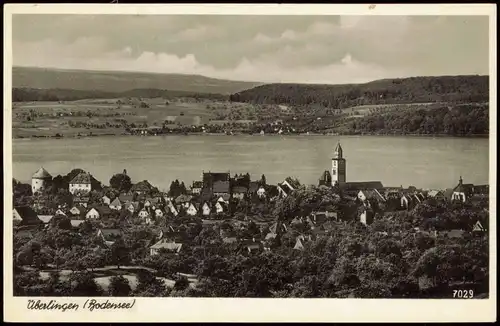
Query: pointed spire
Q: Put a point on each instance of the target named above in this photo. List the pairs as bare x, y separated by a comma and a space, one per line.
338, 151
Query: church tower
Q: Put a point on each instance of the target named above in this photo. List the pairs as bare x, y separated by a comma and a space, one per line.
338, 166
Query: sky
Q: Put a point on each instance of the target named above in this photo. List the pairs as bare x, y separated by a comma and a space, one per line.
303, 49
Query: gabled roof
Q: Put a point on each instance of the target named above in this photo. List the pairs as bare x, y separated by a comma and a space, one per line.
76, 223
225, 197
183, 199
27, 215
102, 210
239, 190
253, 186
110, 233
221, 187
82, 178
292, 182
298, 244
41, 174
45, 218
125, 198
361, 185
325, 176
116, 202
170, 246
434, 193
373, 194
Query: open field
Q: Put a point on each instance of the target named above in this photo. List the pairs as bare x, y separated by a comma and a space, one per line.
107, 117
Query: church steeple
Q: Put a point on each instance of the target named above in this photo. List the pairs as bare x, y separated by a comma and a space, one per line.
339, 153
338, 171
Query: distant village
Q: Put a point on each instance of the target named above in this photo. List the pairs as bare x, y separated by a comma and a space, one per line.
217, 197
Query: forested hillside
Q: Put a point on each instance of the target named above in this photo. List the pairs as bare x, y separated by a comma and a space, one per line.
458, 89
58, 94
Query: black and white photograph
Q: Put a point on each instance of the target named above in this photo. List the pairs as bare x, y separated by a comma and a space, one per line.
278, 156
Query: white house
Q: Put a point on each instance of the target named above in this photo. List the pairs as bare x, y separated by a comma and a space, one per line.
40, 180
170, 246
206, 209
75, 210
116, 204
191, 211
222, 199
158, 213
220, 207
81, 183
462, 191
60, 212
92, 214
106, 200
143, 213
261, 192
172, 209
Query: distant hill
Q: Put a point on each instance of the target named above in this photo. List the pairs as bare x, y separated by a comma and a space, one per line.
117, 81
459, 89
63, 94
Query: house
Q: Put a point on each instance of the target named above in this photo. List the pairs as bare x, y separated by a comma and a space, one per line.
40, 180
81, 200
239, 192
436, 194
325, 179
158, 213
478, 228
221, 207
196, 187
210, 178
183, 200
25, 215
171, 208
166, 245
76, 223
77, 210
482, 190
93, 213
252, 246
277, 229
124, 198
98, 212
192, 210
366, 216
224, 198
132, 207
116, 204
253, 188
221, 188
109, 235
320, 217
462, 192
287, 186
353, 188
106, 200
206, 209
45, 218
60, 212
367, 196
81, 184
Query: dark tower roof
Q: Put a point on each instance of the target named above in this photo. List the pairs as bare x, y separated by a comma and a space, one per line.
339, 151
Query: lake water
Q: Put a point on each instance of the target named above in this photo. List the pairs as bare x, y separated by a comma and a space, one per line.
420, 161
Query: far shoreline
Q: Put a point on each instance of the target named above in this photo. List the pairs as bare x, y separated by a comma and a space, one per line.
254, 135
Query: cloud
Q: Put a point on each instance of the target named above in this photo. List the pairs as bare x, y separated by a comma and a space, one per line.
325, 49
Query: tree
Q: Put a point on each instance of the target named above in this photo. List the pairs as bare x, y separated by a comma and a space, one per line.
120, 253
120, 182
84, 285
119, 286
181, 284
263, 180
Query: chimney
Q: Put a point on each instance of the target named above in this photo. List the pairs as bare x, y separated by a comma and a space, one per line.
460, 180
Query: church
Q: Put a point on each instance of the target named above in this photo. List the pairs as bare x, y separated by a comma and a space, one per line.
337, 175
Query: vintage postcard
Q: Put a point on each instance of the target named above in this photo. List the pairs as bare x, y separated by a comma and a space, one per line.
250, 162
